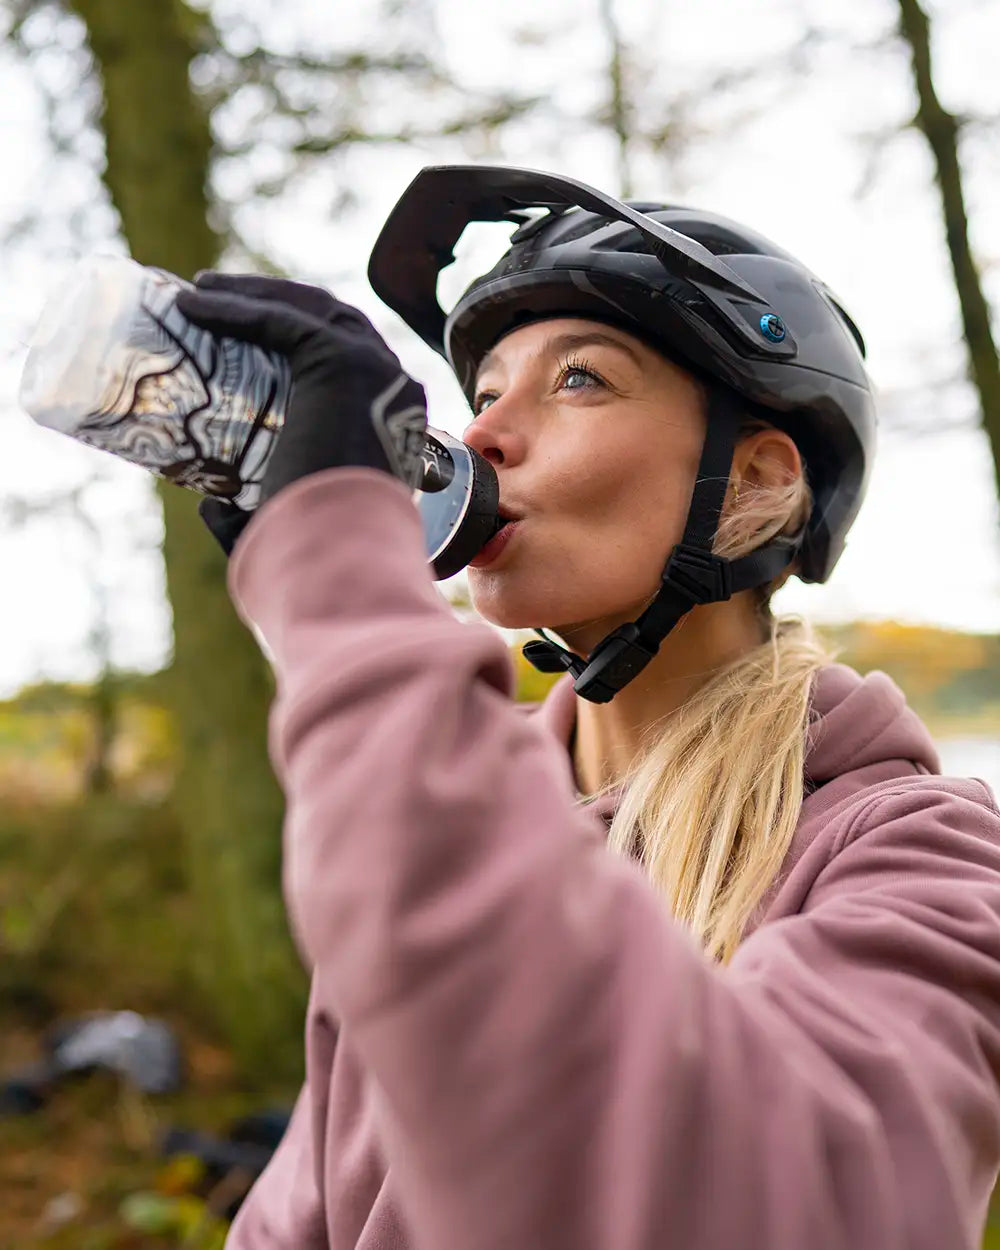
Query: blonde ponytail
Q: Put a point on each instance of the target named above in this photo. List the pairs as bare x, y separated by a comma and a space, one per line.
712, 804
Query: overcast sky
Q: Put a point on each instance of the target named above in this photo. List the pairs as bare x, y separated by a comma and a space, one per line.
925, 547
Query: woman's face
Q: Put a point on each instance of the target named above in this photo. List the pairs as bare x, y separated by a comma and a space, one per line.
595, 439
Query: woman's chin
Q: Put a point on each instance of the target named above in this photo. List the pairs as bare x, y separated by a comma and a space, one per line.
506, 613
580, 625
504, 617
496, 603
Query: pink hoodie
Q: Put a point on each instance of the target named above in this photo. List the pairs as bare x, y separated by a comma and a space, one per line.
509, 1043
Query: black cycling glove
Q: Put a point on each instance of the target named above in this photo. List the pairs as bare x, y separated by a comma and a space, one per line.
351, 402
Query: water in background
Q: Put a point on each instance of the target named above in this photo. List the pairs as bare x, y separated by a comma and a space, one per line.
972, 757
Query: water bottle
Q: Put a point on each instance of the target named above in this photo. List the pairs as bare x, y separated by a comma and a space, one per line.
114, 364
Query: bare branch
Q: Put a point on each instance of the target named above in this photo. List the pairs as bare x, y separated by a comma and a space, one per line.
491, 117
875, 145
979, 123
931, 408
261, 65
941, 131
617, 114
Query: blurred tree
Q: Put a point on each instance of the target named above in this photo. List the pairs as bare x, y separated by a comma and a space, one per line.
184, 109
943, 132
158, 149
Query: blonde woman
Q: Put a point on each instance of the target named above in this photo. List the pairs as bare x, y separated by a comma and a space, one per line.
705, 954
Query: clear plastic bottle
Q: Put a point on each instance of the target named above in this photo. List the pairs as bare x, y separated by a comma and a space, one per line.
114, 364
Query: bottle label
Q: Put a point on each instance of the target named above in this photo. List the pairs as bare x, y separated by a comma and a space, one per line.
199, 411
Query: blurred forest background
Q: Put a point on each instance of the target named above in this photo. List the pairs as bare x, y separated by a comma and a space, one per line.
140, 823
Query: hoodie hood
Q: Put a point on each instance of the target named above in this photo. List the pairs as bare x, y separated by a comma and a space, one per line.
855, 722
860, 721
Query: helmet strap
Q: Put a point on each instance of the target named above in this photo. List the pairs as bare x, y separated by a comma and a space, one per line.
693, 575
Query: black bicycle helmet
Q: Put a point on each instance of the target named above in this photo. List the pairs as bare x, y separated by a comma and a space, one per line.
749, 319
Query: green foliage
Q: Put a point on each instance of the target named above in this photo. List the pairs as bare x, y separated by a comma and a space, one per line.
96, 913
99, 903
49, 737
94, 910
183, 1219
951, 679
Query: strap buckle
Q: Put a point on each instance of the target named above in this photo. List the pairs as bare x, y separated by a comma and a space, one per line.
612, 664
548, 657
699, 575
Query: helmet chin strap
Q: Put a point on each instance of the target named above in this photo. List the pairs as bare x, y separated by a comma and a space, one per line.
693, 574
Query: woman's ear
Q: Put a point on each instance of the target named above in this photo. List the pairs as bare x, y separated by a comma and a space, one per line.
766, 458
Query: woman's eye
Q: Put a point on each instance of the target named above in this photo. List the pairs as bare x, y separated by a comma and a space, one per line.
483, 401
578, 377
574, 378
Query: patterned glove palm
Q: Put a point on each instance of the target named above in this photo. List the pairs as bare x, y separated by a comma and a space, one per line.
351, 402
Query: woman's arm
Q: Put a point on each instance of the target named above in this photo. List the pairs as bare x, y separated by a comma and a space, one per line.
558, 1064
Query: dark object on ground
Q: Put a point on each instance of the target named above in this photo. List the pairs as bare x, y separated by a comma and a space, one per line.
219, 1154
232, 1163
25, 1091
144, 1051
261, 1128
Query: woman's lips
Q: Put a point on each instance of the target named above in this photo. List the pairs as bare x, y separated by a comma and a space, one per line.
494, 547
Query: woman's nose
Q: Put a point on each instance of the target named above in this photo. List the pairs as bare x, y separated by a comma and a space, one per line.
497, 435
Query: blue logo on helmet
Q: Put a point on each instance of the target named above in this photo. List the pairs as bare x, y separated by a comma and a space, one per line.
772, 328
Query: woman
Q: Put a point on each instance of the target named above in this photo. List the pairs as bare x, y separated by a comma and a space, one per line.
767, 1015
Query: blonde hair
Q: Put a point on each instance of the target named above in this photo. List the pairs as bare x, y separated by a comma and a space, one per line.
711, 805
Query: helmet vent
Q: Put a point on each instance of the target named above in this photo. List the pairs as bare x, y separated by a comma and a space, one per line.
627, 240
589, 225
845, 318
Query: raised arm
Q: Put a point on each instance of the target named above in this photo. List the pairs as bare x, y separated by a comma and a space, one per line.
558, 1065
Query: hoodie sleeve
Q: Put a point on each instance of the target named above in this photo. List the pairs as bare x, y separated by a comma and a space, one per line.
557, 1064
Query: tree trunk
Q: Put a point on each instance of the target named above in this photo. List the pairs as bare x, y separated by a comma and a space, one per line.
104, 710
941, 130
158, 153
